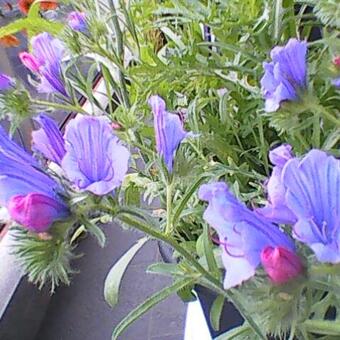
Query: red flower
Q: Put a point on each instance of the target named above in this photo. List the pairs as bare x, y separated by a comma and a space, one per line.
24, 5
9, 41
281, 264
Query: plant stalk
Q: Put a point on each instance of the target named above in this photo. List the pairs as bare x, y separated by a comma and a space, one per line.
120, 52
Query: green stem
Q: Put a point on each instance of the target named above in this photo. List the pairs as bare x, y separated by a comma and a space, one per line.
211, 281
316, 131
328, 116
120, 52
168, 228
67, 107
322, 327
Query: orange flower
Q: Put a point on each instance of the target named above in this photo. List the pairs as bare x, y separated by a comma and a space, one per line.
9, 41
24, 5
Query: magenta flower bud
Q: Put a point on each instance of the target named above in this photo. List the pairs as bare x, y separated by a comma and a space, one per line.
29, 61
281, 264
36, 211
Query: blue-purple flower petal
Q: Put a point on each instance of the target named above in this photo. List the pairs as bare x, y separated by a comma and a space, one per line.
11, 150
313, 195
95, 160
77, 21
286, 76
48, 139
276, 209
6, 82
169, 130
242, 233
47, 56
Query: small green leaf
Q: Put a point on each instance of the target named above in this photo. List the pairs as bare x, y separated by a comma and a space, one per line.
215, 312
208, 251
94, 230
148, 304
114, 277
243, 332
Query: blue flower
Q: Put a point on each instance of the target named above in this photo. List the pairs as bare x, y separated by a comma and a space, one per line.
6, 82
243, 234
313, 195
276, 209
77, 21
95, 160
13, 151
169, 130
25, 189
45, 61
285, 78
48, 140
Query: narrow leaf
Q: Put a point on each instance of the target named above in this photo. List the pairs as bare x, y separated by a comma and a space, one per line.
215, 312
148, 304
114, 277
241, 332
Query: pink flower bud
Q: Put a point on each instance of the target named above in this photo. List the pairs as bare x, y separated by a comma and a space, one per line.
35, 211
336, 61
281, 264
29, 61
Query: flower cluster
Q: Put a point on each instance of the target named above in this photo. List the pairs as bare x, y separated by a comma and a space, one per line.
90, 155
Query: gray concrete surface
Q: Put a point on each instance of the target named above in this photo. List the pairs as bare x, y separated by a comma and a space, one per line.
79, 312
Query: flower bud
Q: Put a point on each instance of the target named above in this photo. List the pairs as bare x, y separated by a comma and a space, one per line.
29, 61
36, 211
281, 264
77, 21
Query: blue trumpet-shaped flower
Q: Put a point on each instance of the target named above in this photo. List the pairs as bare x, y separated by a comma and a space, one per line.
276, 209
48, 139
95, 160
313, 196
45, 61
285, 77
243, 234
169, 130
30, 195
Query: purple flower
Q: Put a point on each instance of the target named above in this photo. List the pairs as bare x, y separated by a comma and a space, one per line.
313, 195
276, 209
77, 21
6, 82
168, 129
46, 62
24, 189
11, 150
48, 139
336, 82
286, 76
242, 233
95, 160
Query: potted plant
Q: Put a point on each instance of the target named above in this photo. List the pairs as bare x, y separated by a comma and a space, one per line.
260, 233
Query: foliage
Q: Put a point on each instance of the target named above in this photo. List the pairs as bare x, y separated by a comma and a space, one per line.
205, 58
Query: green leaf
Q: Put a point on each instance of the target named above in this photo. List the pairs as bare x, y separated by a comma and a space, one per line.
32, 25
185, 199
94, 230
215, 312
323, 327
114, 277
148, 304
169, 269
208, 251
243, 332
